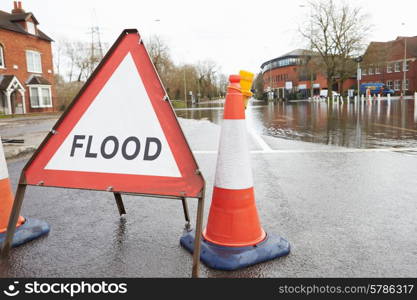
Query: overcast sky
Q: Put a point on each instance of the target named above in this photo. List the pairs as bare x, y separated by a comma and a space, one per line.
235, 34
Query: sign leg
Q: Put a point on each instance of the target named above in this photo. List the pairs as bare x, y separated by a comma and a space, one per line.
186, 214
11, 227
197, 239
119, 203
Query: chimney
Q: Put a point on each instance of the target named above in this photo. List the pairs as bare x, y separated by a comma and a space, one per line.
17, 7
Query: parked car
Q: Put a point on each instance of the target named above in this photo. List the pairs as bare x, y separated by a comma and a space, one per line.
375, 88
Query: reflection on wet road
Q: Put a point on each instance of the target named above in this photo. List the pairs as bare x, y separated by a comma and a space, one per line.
375, 124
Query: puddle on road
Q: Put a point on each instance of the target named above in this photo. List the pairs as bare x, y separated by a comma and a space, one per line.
377, 125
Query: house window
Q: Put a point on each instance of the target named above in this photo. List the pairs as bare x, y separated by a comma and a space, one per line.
364, 71
40, 96
389, 84
397, 67
371, 71
33, 60
397, 85
377, 70
405, 66
2, 64
389, 68
31, 28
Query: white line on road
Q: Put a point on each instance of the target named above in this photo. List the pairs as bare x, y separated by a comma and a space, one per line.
265, 147
251, 128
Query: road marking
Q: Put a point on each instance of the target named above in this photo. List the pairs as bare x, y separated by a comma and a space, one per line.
395, 127
265, 147
257, 137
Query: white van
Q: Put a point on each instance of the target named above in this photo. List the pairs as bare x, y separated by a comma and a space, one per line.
324, 93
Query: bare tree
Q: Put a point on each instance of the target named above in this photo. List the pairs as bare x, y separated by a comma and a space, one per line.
58, 51
159, 53
337, 33
258, 86
77, 60
207, 71
311, 64
70, 52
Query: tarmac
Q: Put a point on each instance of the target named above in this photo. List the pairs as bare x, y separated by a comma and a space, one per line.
345, 213
32, 130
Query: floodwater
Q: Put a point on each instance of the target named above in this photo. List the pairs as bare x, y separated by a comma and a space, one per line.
370, 124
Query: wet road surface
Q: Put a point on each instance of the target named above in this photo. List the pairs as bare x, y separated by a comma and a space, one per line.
375, 124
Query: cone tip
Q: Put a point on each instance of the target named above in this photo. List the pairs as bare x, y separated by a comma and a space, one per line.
234, 78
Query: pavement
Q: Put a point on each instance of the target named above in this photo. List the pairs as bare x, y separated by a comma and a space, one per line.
32, 129
345, 213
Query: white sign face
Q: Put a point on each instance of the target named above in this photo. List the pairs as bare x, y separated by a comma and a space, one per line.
302, 86
359, 74
316, 85
119, 132
288, 85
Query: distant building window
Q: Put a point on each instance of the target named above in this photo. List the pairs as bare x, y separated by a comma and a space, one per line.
364, 71
397, 85
33, 60
2, 64
397, 67
371, 71
377, 70
389, 84
40, 96
406, 66
31, 28
389, 68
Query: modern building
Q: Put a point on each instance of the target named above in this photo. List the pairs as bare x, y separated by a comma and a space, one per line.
289, 74
26, 68
296, 74
384, 62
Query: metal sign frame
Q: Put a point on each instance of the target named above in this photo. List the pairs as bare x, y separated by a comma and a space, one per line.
180, 195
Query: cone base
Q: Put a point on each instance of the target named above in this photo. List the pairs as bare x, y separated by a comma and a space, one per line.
233, 258
30, 230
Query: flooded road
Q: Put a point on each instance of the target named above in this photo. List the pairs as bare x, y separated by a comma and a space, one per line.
375, 124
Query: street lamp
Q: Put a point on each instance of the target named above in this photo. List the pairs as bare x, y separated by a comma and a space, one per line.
268, 70
310, 55
404, 65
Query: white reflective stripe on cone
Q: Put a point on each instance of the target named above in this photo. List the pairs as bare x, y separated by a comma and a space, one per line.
233, 163
3, 166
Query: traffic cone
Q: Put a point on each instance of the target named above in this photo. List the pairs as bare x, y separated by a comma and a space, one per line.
27, 228
234, 237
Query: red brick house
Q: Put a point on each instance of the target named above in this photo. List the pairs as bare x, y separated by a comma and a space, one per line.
26, 68
384, 63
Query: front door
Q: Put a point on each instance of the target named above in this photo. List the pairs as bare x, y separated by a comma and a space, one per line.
16, 101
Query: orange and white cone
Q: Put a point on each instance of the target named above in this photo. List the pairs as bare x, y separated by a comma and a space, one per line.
27, 228
6, 194
233, 219
234, 237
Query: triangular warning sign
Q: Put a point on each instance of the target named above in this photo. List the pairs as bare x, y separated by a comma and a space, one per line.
120, 133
